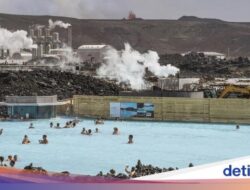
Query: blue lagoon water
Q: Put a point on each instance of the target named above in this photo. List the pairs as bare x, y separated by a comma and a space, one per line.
159, 144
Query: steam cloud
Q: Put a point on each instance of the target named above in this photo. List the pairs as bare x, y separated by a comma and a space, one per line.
59, 23
15, 41
129, 66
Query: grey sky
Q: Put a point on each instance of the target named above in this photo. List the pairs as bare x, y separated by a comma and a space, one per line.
231, 10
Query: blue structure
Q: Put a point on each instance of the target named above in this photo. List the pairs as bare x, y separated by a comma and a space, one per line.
32, 107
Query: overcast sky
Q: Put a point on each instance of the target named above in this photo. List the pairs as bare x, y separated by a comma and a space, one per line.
230, 10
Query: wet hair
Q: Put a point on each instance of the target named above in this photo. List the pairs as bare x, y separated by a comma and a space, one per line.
1, 159
44, 136
130, 136
12, 163
15, 158
90, 131
190, 165
112, 172
25, 136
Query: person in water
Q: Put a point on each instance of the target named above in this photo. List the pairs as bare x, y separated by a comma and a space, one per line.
12, 163
26, 140
15, 158
1, 160
116, 131
67, 125
130, 139
237, 127
84, 132
99, 122
1, 131
131, 173
51, 125
31, 126
9, 158
89, 132
44, 140
96, 130
58, 126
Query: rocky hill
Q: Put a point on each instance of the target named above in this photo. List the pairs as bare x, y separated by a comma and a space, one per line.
46, 83
164, 36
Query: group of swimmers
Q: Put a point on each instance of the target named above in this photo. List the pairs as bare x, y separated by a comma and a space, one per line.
115, 132
130, 137
70, 124
89, 131
11, 160
44, 140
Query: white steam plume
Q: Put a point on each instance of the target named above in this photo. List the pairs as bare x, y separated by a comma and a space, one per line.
59, 23
129, 66
68, 58
14, 41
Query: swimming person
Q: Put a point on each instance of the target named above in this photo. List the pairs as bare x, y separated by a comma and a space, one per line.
44, 140
130, 139
31, 126
58, 126
9, 158
1, 131
237, 127
67, 125
12, 163
116, 131
83, 131
15, 158
51, 125
26, 140
99, 122
132, 173
96, 130
89, 132
1, 160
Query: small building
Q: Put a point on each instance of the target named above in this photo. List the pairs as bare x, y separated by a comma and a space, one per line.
32, 107
92, 53
208, 54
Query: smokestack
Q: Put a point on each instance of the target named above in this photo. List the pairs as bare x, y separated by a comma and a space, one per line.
40, 51
34, 53
55, 36
47, 32
2, 54
8, 53
32, 33
39, 32
70, 36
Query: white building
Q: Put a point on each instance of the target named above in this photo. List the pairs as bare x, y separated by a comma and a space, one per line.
209, 54
92, 53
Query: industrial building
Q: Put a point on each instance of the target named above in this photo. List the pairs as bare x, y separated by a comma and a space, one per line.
208, 54
92, 53
47, 39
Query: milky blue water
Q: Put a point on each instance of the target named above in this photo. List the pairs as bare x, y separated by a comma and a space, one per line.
159, 144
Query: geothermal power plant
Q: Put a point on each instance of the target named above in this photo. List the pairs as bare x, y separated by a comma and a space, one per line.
49, 47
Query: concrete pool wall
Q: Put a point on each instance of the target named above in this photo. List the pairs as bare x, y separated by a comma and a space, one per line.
170, 109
